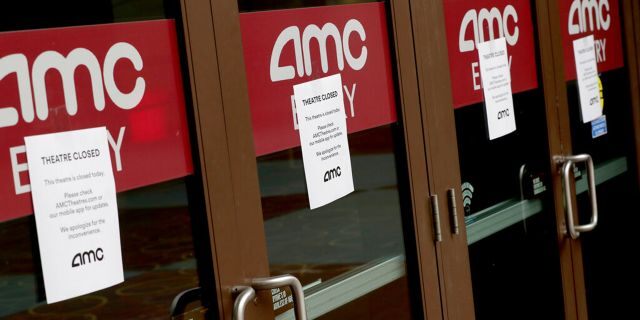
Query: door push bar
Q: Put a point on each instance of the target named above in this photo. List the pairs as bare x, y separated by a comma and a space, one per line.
248, 293
567, 165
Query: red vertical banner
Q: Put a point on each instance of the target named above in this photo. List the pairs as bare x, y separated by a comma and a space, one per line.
471, 22
287, 47
600, 18
124, 76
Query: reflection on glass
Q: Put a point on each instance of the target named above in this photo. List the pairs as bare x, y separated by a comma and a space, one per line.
513, 252
336, 247
614, 156
158, 258
509, 212
352, 232
155, 222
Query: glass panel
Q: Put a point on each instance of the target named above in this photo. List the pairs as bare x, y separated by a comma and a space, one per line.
344, 234
155, 221
511, 232
158, 257
509, 213
349, 254
355, 231
607, 272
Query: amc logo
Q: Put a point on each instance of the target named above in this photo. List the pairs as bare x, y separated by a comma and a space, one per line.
332, 174
32, 88
585, 12
302, 51
87, 257
485, 20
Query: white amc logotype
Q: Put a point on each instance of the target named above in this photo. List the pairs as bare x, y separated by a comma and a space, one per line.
102, 77
487, 18
585, 12
302, 51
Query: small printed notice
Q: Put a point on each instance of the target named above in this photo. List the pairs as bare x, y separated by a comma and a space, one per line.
587, 74
496, 85
74, 201
599, 127
281, 298
323, 137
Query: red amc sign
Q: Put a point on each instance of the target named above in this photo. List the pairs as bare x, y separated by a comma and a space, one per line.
598, 17
286, 47
471, 22
124, 76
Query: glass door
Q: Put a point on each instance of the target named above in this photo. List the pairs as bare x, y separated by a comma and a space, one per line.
525, 262
355, 257
506, 187
159, 223
609, 141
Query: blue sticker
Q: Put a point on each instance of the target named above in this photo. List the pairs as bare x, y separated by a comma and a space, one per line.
599, 127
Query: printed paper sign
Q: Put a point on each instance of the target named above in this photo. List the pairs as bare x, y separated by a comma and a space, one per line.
587, 72
323, 136
74, 201
496, 85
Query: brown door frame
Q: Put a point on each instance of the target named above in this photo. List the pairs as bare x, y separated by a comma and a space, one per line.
560, 143
230, 180
630, 10
443, 164
439, 130
228, 163
410, 102
558, 128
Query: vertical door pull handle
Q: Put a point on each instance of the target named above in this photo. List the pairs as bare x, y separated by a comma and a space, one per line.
568, 161
435, 210
451, 194
245, 295
248, 294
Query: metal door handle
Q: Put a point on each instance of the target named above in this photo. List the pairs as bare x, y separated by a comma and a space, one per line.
242, 300
247, 294
568, 161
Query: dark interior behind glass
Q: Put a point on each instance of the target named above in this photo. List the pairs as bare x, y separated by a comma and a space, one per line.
515, 265
157, 223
